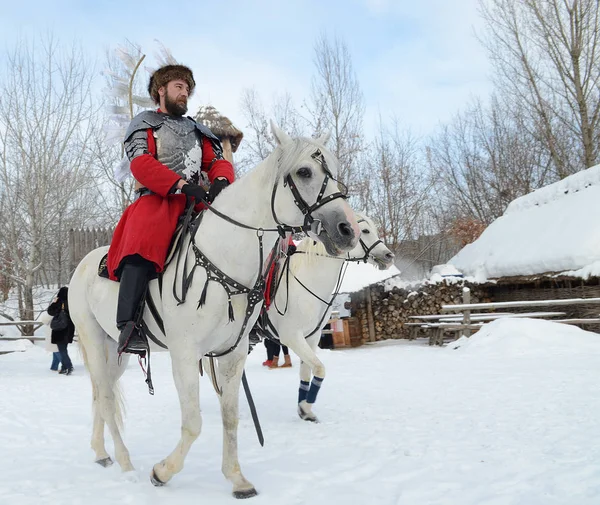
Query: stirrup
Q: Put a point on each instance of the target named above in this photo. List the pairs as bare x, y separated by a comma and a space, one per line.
131, 341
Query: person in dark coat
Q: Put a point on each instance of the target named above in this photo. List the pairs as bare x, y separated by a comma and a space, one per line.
62, 338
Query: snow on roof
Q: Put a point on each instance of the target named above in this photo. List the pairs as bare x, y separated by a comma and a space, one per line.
555, 229
361, 275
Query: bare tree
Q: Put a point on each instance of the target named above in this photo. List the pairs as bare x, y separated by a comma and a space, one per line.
394, 185
258, 140
45, 118
546, 56
337, 104
483, 159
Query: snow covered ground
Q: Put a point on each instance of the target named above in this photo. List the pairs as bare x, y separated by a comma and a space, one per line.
510, 417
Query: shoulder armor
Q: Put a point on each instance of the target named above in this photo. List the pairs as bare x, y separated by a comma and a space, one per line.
204, 130
143, 121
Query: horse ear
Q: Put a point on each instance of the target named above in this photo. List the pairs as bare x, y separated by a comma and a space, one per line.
323, 139
280, 136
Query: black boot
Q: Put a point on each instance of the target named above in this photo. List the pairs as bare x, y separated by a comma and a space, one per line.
132, 290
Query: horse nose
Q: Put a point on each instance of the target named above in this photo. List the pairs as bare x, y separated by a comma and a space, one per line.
346, 230
390, 256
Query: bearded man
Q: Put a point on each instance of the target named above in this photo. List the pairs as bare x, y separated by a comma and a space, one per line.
170, 155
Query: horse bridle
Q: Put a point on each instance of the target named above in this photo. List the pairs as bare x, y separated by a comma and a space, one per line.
310, 223
366, 249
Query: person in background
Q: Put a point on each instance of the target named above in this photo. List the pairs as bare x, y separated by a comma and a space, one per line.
62, 338
273, 351
50, 347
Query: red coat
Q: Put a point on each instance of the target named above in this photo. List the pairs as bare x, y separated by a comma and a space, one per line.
148, 224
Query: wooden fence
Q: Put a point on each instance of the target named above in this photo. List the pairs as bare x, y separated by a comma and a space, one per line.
82, 242
469, 321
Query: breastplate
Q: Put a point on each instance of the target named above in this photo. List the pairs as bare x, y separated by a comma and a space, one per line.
179, 146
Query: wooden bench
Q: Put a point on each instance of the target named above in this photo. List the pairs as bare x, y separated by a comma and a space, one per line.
439, 324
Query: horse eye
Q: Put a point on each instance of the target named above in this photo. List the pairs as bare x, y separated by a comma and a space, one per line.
366, 231
304, 172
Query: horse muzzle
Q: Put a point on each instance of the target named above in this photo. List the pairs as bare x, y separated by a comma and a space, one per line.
383, 260
337, 232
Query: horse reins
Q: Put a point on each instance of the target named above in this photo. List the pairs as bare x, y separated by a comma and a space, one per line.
256, 293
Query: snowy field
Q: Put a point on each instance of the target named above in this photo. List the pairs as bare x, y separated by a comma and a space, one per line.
512, 416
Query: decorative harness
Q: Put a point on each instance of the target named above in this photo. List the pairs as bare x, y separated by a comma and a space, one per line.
266, 328
255, 294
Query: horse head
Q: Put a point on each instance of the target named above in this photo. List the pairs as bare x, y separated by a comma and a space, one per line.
309, 170
370, 247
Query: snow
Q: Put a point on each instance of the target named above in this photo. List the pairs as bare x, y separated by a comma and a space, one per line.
446, 270
553, 229
15, 345
361, 275
510, 417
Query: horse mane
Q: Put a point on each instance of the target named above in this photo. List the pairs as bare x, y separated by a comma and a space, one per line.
301, 147
309, 250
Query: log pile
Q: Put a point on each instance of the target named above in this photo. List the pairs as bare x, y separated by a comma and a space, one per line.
384, 314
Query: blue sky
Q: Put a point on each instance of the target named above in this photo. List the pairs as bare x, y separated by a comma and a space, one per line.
417, 61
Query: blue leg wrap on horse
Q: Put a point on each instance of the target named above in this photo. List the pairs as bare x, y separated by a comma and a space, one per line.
315, 385
303, 390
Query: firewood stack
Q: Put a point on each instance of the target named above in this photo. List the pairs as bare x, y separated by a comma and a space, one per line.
390, 310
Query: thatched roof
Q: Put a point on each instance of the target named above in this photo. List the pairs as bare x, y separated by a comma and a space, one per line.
554, 232
220, 125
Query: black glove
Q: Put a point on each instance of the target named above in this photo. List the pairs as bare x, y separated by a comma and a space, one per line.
216, 187
194, 191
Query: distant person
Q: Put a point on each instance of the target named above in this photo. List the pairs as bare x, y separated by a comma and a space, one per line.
50, 347
63, 328
273, 352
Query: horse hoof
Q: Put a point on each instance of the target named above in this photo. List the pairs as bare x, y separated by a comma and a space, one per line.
155, 480
106, 462
248, 493
307, 416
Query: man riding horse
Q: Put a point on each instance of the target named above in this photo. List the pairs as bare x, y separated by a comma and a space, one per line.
171, 155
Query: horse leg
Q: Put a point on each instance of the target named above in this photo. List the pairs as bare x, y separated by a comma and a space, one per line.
311, 364
187, 382
102, 457
100, 357
230, 369
116, 368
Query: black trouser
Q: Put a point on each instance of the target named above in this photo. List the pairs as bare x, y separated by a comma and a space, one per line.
273, 349
135, 273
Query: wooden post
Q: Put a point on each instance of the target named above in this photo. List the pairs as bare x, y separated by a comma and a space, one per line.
227, 150
370, 321
467, 312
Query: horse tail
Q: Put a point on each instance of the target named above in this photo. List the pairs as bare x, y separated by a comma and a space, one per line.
117, 391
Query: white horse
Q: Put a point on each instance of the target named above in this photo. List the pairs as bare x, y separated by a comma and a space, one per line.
301, 305
262, 199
